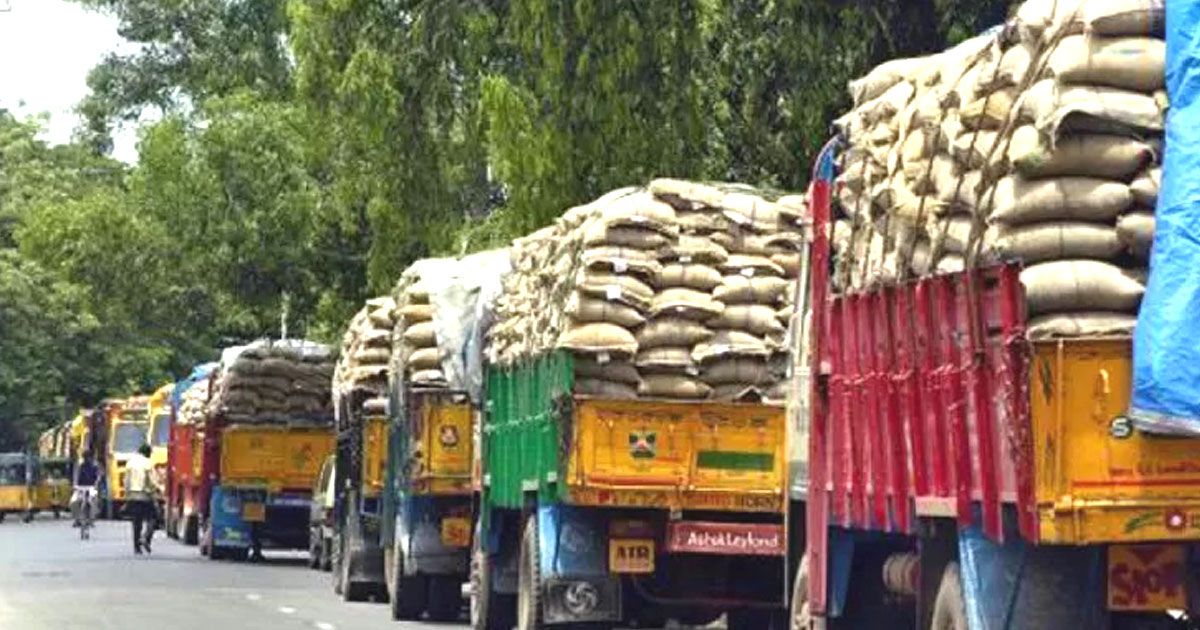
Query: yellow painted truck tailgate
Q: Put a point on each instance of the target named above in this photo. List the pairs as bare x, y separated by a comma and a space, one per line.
702, 455
273, 456
375, 444
1098, 480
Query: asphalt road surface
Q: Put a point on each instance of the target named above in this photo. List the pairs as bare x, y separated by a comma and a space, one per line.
51, 580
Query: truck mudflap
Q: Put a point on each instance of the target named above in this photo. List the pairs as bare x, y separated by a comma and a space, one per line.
1015, 584
435, 533
229, 528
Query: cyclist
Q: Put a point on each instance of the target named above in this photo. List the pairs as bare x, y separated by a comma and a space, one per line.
86, 484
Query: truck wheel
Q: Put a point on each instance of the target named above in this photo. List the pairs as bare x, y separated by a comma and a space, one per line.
314, 550
800, 613
326, 554
949, 610
2, 515
335, 561
205, 538
351, 591
191, 529
445, 597
407, 595
489, 610
529, 579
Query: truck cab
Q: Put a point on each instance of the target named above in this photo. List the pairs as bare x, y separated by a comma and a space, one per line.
18, 485
128, 427
159, 411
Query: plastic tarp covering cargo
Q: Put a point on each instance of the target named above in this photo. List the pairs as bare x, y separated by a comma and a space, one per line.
199, 373
461, 292
1166, 353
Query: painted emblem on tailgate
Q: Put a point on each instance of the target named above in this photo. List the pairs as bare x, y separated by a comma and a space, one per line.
643, 444
448, 435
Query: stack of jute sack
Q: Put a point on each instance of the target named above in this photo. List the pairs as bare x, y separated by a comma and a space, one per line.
1038, 141
365, 356
193, 401
679, 290
415, 353
270, 382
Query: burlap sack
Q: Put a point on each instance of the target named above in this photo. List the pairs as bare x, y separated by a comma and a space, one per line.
372, 356
1125, 17
1145, 187
1089, 155
420, 335
621, 260
754, 290
1087, 108
424, 359
585, 310
753, 318
1051, 240
730, 343
1079, 285
598, 388
598, 234
599, 338
690, 276
670, 331
428, 378
1017, 200
1130, 63
1086, 324
750, 266
790, 262
621, 289
686, 304
673, 386
743, 370
693, 249
883, 77
640, 210
1136, 231
665, 359
618, 371
413, 313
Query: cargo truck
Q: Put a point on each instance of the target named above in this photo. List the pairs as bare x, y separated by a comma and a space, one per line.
184, 462
958, 474
159, 430
602, 512
128, 426
358, 472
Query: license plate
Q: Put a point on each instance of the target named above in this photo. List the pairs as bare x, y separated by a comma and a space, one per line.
1146, 577
254, 512
631, 555
456, 532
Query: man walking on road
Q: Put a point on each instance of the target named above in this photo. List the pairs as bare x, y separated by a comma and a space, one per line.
139, 504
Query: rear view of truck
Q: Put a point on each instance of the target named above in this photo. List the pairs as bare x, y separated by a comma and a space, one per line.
184, 454
972, 464
267, 430
633, 444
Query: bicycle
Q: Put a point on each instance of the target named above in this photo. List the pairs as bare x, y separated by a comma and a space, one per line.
87, 509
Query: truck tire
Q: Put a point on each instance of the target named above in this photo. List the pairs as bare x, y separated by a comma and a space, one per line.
351, 591
529, 579
205, 538
800, 615
314, 549
335, 561
326, 553
489, 610
949, 608
445, 601
191, 529
407, 595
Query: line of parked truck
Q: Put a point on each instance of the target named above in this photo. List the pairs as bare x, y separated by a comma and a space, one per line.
934, 466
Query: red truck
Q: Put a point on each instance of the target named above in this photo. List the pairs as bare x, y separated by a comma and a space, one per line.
183, 486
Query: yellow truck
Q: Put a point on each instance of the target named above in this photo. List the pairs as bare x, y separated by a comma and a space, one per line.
53, 492
127, 431
256, 486
159, 411
18, 485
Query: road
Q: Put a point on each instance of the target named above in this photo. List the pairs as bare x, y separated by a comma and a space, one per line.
51, 580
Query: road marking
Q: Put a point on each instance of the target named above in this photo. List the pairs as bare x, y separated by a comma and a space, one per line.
287, 610
253, 597
321, 625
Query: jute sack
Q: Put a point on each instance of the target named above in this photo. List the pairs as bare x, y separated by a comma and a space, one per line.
413, 313
1017, 200
955, 190
952, 233
1125, 17
730, 343
1087, 324
1079, 285
883, 77
790, 262
690, 276
372, 356
614, 288
1089, 155
382, 316
423, 359
743, 370
599, 234
754, 318
620, 260
1136, 231
665, 360
1086, 108
750, 266
686, 304
1051, 240
605, 389
427, 377
599, 338
671, 331
417, 293
640, 210
755, 290
420, 335
988, 112
1130, 63
618, 371
750, 211
586, 310
1145, 187
694, 249
673, 386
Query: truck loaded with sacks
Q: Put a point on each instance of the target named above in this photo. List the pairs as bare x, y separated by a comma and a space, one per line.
632, 460
983, 226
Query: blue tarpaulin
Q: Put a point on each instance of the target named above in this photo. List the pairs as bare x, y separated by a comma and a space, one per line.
1166, 344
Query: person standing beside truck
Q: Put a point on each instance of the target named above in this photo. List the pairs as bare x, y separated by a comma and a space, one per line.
140, 493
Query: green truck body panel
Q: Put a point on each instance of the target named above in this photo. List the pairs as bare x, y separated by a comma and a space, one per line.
522, 446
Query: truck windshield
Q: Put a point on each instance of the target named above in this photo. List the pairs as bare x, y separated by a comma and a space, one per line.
12, 475
128, 437
162, 430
